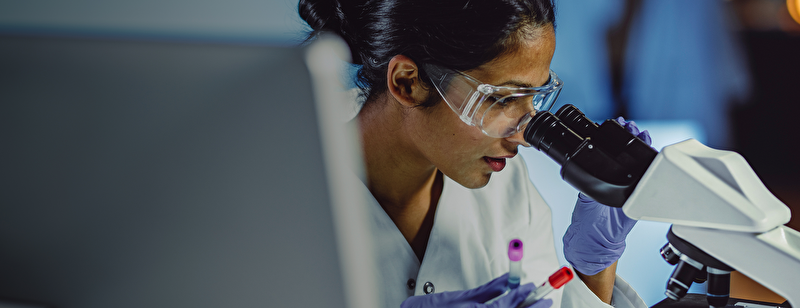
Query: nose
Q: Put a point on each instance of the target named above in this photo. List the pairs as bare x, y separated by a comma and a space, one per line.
519, 136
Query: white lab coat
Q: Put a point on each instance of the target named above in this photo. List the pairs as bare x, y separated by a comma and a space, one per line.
469, 241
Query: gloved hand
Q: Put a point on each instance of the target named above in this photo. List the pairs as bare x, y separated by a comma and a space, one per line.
596, 237
475, 298
633, 129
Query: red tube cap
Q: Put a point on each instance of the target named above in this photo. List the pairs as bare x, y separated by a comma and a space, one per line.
560, 277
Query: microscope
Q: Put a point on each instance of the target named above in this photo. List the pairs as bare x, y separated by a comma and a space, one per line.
723, 217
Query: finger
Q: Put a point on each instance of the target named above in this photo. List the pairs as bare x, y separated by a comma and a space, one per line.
632, 128
645, 136
621, 121
584, 198
514, 297
542, 303
421, 301
488, 291
588, 208
618, 218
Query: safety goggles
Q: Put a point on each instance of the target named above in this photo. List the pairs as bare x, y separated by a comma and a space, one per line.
499, 111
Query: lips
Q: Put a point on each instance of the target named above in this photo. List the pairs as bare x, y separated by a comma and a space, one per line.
496, 164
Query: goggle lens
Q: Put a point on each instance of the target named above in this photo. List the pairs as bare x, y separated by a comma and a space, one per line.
499, 111
506, 117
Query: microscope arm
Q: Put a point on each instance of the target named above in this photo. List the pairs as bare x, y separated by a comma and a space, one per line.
716, 202
693, 185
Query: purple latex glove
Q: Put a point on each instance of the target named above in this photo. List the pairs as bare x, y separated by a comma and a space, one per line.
596, 237
477, 297
633, 129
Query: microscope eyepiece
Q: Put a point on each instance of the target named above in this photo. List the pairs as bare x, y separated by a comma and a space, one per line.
603, 161
576, 121
548, 134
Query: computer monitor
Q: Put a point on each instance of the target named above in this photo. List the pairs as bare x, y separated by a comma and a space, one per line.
164, 174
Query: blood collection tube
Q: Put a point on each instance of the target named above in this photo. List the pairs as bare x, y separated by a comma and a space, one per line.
515, 263
556, 280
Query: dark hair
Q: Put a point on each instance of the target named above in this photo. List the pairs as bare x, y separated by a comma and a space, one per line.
457, 34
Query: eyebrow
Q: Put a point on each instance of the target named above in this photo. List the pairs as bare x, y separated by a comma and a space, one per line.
517, 84
512, 82
522, 84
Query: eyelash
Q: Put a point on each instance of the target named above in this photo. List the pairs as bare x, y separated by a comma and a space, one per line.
505, 101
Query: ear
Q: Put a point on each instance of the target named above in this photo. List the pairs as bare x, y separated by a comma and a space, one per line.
403, 81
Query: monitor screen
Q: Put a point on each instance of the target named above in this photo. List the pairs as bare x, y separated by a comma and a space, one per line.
162, 174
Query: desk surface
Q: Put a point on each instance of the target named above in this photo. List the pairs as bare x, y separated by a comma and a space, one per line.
699, 301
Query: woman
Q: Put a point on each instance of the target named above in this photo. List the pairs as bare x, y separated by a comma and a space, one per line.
447, 87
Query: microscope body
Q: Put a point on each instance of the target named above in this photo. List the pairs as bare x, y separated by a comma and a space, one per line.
723, 216
717, 204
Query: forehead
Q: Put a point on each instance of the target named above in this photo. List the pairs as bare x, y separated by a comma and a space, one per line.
526, 65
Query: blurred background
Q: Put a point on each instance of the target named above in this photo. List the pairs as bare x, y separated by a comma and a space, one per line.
724, 72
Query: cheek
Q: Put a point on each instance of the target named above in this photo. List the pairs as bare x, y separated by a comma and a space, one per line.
461, 134
466, 142
454, 138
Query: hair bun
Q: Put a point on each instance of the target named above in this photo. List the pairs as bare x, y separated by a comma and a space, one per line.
329, 16
322, 14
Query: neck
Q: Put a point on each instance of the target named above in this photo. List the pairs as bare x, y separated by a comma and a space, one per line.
405, 184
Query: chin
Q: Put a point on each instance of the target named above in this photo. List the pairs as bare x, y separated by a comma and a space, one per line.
475, 182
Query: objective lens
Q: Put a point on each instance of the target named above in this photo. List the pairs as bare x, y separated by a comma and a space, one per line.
719, 287
670, 254
701, 277
682, 277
